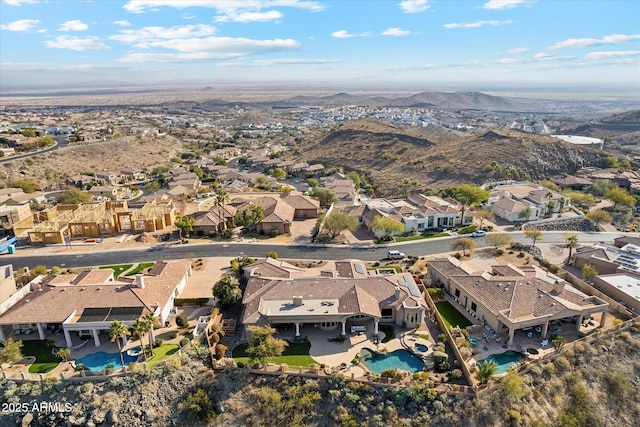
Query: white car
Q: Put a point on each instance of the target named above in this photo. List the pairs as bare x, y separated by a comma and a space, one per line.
479, 233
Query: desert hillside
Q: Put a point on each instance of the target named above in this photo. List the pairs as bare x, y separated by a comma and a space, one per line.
111, 155
589, 384
438, 157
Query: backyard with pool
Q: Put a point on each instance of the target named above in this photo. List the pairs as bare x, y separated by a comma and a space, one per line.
398, 359
505, 360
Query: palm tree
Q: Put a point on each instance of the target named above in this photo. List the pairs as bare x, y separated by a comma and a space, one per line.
151, 320
140, 327
571, 241
486, 371
222, 197
117, 330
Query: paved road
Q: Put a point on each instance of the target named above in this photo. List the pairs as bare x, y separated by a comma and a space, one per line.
61, 142
77, 257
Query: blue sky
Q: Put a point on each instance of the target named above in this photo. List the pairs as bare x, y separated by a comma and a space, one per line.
415, 43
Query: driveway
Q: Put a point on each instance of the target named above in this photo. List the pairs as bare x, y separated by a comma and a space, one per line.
202, 280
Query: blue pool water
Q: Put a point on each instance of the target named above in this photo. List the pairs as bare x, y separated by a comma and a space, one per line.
99, 361
399, 359
506, 359
421, 348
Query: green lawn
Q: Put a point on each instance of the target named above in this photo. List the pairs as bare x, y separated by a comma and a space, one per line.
420, 237
451, 316
118, 269
140, 267
389, 332
468, 230
161, 353
45, 361
293, 355
423, 336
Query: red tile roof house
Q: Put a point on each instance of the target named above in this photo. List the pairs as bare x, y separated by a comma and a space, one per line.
510, 298
87, 303
280, 212
349, 295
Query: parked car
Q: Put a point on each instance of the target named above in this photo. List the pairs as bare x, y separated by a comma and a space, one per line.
479, 233
396, 255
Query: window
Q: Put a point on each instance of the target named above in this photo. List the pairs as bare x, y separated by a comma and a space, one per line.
474, 307
430, 222
457, 293
387, 313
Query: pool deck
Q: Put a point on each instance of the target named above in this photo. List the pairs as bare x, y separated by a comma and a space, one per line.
335, 354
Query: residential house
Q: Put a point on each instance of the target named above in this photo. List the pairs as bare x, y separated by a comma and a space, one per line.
509, 298
215, 220
86, 303
347, 295
103, 192
417, 213
510, 201
573, 182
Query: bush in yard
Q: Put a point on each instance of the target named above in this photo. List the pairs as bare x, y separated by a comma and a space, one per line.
214, 337
456, 374
220, 350
182, 321
158, 343
442, 338
184, 341
272, 254
274, 232
173, 335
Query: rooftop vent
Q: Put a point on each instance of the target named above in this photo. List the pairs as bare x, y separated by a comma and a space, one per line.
297, 300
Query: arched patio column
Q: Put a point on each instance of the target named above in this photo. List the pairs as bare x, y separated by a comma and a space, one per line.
344, 327
297, 329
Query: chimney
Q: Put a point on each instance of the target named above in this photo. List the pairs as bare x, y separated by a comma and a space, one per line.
397, 292
140, 281
297, 300
558, 287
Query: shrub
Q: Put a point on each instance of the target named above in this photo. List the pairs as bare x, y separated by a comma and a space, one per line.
456, 374
444, 366
109, 369
442, 338
200, 406
182, 321
274, 232
241, 365
184, 341
272, 254
214, 337
220, 350
173, 335
158, 342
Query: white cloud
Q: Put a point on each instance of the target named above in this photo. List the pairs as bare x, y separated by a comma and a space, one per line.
414, 6
395, 31
606, 40
611, 54
207, 48
76, 43
280, 61
19, 2
122, 23
476, 24
222, 6
508, 61
250, 16
518, 50
21, 25
344, 34
74, 25
149, 34
503, 4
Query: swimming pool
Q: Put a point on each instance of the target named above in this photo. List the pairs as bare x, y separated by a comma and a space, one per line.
421, 348
100, 360
398, 359
505, 360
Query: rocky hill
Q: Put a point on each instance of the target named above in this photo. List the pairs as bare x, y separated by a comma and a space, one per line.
622, 128
589, 384
438, 157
